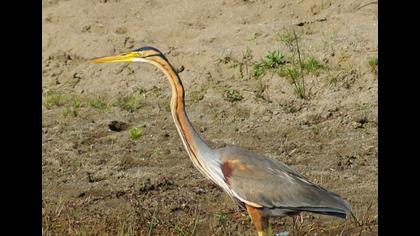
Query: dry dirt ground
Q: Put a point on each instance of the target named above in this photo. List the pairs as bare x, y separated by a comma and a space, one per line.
99, 180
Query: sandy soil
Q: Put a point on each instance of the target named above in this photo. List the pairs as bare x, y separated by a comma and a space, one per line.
97, 181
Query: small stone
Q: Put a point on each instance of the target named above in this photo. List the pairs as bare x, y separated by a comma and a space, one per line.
356, 125
180, 69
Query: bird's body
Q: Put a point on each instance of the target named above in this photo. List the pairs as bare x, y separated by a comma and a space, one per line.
264, 186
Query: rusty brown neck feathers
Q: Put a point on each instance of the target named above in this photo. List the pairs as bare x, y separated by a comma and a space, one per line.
194, 144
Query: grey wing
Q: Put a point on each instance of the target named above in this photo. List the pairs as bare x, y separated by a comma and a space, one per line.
263, 181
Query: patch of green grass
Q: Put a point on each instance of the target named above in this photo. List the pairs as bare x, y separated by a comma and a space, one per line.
258, 70
232, 95
135, 133
291, 72
69, 111
297, 81
75, 104
98, 103
54, 99
298, 67
312, 66
291, 65
132, 101
373, 63
274, 59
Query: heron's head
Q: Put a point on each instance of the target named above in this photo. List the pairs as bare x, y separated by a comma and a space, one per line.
144, 54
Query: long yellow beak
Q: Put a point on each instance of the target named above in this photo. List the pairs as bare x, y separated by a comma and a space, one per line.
126, 57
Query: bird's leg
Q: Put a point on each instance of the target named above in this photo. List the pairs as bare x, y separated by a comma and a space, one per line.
259, 220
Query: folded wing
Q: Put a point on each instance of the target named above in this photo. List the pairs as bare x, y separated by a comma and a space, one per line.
265, 182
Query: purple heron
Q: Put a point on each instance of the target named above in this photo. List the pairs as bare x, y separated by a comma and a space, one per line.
263, 186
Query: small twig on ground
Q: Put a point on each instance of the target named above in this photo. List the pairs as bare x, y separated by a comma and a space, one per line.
302, 87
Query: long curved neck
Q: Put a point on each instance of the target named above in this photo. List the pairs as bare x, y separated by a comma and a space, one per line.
194, 144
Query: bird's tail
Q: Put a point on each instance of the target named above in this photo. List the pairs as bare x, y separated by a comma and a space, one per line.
342, 213
332, 205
